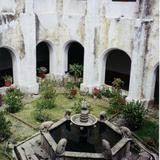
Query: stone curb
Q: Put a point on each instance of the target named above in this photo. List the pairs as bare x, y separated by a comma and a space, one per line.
29, 125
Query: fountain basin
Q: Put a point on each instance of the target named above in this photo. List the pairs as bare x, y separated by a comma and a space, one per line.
92, 120
80, 147
44, 144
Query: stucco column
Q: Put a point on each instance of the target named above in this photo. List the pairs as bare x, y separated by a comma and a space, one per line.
59, 61
138, 62
27, 64
89, 75
89, 63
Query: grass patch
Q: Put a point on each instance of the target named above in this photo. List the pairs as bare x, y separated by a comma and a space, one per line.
2, 150
149, 132
19, 131
62, 103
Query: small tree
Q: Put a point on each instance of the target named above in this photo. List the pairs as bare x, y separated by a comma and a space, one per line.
117, 102
133, 114
48, 94
4, 127
76, 69
13, 98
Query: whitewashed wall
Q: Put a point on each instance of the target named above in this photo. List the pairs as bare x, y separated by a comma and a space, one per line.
99, 26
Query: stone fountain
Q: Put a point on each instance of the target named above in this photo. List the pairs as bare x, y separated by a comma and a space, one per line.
84, 119
81, 136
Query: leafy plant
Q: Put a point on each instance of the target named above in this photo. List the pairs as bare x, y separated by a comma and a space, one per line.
117, 102
4, 127
106, 93
69, 85
48, 94
41, 115
15, 91
42, 70
13, 98
7, 78
76, 69
45, 103
117, 83
47, 83
133, 114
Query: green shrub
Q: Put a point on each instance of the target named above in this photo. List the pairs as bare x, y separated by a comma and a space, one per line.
13, 98
116, 103
45, 103
48, 94
41, 115
133, 114
110, 93
15, 91
69, 85
106, 93
4, 127
47, 83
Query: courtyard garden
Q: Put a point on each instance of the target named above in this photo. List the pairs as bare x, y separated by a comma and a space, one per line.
22, 114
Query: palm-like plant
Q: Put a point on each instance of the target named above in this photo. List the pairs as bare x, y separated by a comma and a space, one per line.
76, 69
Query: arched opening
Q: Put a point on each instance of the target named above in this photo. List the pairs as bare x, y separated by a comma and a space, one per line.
6, 65
156, 91
43, 56
118, 65
75, 54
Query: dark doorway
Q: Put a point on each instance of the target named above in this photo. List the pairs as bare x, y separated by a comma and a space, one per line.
43, 55
118, 65
156, 92
5, 65
75, 54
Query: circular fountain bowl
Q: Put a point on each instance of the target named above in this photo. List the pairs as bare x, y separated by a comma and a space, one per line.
92, 120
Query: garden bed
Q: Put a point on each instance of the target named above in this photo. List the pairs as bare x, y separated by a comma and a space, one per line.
62, 103
148, 132
24, 122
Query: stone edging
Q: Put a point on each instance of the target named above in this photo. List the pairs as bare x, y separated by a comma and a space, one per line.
29, 125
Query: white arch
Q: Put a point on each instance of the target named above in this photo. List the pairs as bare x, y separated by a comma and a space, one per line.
66, 48
102, 64
51, 55
14, 58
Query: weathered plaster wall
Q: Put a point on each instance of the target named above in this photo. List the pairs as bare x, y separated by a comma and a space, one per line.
145, 52
17, 33
152, 57
99, 26
62, 24
10, 31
